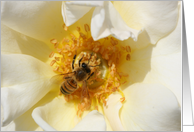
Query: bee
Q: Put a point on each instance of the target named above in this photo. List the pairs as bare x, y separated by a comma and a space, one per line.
69, 82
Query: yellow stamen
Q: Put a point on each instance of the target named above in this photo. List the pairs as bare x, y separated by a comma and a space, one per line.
107, 54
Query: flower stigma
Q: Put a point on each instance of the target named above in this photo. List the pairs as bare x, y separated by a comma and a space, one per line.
102, 57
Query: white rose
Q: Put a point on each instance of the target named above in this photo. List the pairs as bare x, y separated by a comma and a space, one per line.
152, 94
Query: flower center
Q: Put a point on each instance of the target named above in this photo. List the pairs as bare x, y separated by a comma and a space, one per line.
88, 68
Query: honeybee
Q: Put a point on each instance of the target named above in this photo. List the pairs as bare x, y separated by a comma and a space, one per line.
69, 82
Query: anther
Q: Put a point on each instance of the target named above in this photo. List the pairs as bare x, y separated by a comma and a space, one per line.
128, 49
128, 57
122, 99
78, 29
53, 41
83, 35
52, 62
65, 27
56, 45
51, 54
87, 28
57, 58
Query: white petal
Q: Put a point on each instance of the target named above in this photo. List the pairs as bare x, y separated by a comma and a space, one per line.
107, 21
57, 114
41, 20
172, 43
60, 115
25, 80
74, 10
72, 13
39, 118
150, 107
86, 3
159, 64
13, 42
167, 61
112, 111
158, 18
25, 122
94, 121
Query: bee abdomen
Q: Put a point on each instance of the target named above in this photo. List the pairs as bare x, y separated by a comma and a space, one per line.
63, 90
68, 87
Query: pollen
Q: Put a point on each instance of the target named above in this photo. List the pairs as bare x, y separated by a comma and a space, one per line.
103, 57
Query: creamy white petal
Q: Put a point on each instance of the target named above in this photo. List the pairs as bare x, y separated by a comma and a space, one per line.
60, 115
164, 69
111, 111
74, 10
158, 18
150, 107
169, 68
25, 122
13, 42
72, 13
107, 21
159, 64
25, 80
172, 43
86, 3
100, 110
39, 117
41, 20
94, 121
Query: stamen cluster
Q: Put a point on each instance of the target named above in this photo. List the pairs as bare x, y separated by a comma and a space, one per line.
106, 49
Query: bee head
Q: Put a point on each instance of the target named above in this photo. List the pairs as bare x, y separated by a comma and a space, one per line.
85, 66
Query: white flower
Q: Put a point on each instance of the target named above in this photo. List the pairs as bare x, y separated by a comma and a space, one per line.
153, 94
106, 20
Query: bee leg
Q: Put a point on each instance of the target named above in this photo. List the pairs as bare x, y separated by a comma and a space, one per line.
84, 92
90, 75
73, 62
60, 92
80, 60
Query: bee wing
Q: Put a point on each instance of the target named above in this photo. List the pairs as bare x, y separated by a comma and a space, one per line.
58, 79
85, 93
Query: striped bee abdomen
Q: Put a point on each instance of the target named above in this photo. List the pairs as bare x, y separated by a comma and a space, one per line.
68, 87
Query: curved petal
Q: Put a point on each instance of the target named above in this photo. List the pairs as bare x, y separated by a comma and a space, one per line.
41, 20
164, 69
111, 111
107, 21
61, 116
159, 64
158, 18
94, 121
13, 42
150, 107
25, 80
25, 122
74, 10
172, 43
